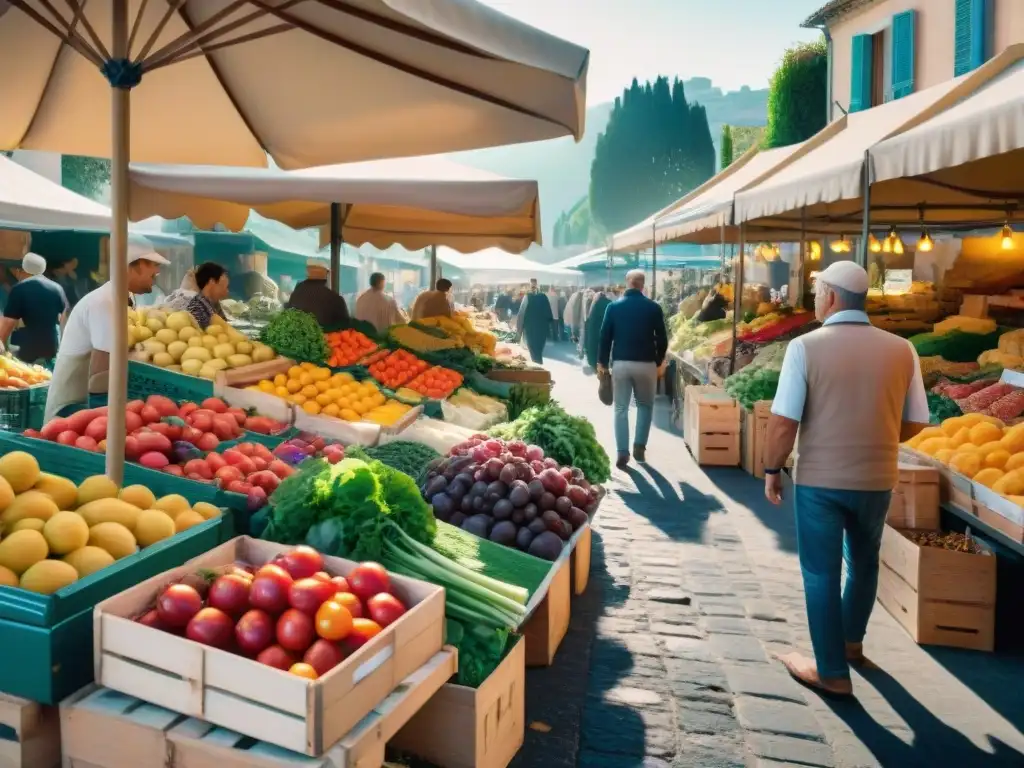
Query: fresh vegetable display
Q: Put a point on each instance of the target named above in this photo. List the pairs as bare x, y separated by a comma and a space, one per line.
290, 614
320, 391
511, 494
55, 532
404, 455
488, 406
568, 440
348, 347
296, 335
420, 340
759, 380
174, 341
524, 396
397, 369
437, 383
460, 328
14, 374
691, 334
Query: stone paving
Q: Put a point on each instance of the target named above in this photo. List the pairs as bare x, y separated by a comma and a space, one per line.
694, 588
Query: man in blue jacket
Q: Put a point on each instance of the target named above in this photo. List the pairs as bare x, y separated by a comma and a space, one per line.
633, 343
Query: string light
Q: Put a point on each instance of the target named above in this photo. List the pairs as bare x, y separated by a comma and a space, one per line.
873, 245
1007, 236
887, 244
842, 245
926, 243
897, 246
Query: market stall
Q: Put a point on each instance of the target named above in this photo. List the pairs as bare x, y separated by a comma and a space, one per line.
496, 267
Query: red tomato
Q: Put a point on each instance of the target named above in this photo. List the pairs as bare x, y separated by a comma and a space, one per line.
295, 630
212, 627
269, 590
229, 593
341, 584
321, 575
363, 630
385, 608
333, 621
178, 604
216, 461
254, 632
307, 595
323, 656
67, 437
152, 619
368, 579
350, 601
277, 657
302, 562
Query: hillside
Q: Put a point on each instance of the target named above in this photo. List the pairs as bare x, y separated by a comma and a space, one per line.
562, 167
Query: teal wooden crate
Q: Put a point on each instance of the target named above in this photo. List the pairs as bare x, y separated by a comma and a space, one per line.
23, 408
145, 380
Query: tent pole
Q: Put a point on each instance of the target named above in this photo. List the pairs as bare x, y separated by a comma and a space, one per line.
336, 247
865, 232
433, 267
737, 301
117, 254
798, 300
654, 264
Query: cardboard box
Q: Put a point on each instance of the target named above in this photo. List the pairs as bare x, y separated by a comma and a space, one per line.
915, 500
940, 597
481, 727
238, 693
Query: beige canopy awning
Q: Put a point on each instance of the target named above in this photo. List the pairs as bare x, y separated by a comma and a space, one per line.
824, 186
701, 219
414, 202
970, 155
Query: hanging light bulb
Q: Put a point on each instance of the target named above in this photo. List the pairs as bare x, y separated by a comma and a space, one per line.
841, 245
873, 245
815, 250
1007, 237
897, 246
887, 244
925, 243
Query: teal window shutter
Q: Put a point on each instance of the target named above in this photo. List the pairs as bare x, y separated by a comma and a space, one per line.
971, 41
903, 54
860, 73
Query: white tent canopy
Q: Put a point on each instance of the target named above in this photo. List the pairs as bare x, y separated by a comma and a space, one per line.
830, 169
30, 200
587, 257
493, 266
415, 202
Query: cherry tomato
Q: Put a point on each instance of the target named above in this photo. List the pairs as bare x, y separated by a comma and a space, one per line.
350, 601
304, 670
333, 621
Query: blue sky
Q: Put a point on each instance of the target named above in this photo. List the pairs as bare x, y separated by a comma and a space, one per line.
734, 42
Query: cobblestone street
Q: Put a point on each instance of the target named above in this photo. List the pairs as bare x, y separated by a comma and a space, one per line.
694, 587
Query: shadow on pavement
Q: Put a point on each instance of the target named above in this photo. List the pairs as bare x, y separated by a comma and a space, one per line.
989, 675
748, 491
933, 744
681, 514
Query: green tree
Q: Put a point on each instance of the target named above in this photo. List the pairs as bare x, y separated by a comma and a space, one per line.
89, 176
725, 158
656, 148
798, 95
744, 137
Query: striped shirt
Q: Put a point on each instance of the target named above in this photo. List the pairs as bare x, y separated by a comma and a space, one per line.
203, 310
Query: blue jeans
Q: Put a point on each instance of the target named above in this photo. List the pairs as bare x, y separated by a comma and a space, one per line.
837, 615
631, 379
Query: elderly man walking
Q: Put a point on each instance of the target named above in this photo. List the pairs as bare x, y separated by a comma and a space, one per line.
853, 393
633, 343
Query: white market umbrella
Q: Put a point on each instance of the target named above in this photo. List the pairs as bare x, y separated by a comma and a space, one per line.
493, 266
30, 200
415, 202
309, 82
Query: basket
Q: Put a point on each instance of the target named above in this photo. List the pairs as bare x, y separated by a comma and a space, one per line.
22, 409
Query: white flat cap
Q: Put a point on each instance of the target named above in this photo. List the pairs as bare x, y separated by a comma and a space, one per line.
143, 249
847, 275
33, 263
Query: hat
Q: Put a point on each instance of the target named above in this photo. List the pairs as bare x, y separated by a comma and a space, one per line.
317, 264
143, 250
847, 275
33, 263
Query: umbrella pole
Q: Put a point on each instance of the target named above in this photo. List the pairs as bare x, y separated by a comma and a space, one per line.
737, 302
433, 267
120, 123
336, 247
654, 264
865, 231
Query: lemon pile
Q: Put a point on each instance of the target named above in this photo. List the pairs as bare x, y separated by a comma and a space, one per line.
56, 532
320, 391
174, 341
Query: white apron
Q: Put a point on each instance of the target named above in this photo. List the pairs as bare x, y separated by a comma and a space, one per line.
69, 385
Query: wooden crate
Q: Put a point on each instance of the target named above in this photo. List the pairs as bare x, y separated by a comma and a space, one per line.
520, 375
481, 727
580, 560
711, 426
915, 500
939, 596
546, 628
29, 733
234, 692
102, 728
999, 512
754, 438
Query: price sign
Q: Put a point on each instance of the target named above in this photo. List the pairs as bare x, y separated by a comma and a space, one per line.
898, 280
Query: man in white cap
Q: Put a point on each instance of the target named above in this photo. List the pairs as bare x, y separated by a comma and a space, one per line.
39, 304
853, 393
313, 295
84, 355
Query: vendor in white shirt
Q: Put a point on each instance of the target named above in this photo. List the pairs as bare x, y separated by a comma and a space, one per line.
83, 358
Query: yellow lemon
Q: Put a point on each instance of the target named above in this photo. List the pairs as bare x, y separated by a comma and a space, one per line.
311, 407
298, 399
309, 391
282, 392
266, 386
321, 374
305, 379
331, 409
293, 385
348, 414
308, 366
323, 399
280, 380
333, 394
322, 385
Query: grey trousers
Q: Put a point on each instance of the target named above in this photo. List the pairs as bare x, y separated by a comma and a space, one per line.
633, 380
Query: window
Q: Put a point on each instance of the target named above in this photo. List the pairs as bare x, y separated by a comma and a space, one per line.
879, 81
903, 58
971, 39
882, 66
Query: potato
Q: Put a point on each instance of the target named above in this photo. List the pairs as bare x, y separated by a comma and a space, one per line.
237, 360
176, 349
224, 351
163, 360
165, 336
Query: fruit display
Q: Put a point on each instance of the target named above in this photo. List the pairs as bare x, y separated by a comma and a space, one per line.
321, 392
161, 433
289, 614
54, 532
14, 374
420, 338
174, 341
437, 383
348, 347
397, 369
510, 493
482, 404
295, 334
980, 447
461, 328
